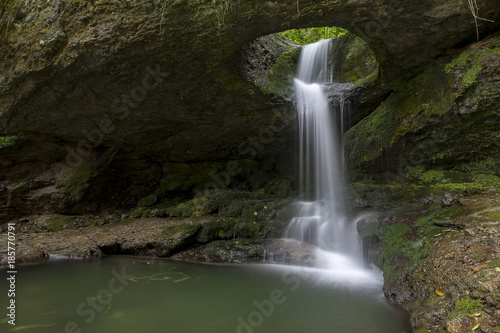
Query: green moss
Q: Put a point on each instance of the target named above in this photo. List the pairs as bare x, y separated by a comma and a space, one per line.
148, 201
79, 181
193, 208
466, 306
372, 78
182, 230
139, 212
7, 141
369, 229
393, 237
485, 172
420, 175
406, 246
403, 112
472, 63
393, 241
228, 228
359, 63
280, 77
384, 196
58, 222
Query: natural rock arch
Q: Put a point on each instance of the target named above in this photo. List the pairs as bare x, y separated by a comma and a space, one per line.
67, 63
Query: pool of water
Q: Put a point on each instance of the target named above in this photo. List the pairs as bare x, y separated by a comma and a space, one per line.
130, 294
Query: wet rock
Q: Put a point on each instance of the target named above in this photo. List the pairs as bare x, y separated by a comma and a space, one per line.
241, 250
290, 252
148, 237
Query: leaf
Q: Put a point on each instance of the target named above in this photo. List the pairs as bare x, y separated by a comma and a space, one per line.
255, 213
497, 269
475, 327
439, 292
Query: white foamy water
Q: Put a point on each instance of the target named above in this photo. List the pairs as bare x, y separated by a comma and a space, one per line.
321, 220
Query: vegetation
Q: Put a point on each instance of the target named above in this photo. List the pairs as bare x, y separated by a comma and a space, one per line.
466, 306
58, 222
7, 141
281, 75
472, 62
428, 94
360, 64
412, 243
312, 35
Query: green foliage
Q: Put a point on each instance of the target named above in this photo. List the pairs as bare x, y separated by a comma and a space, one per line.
79, 181
7, 141
312, 35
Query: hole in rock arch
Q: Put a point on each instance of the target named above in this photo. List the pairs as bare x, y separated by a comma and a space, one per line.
271, 63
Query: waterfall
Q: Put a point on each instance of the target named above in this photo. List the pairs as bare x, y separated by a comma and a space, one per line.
321, 219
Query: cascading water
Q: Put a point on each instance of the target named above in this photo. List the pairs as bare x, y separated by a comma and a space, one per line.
322, 220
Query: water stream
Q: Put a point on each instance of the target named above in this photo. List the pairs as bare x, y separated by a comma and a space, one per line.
322, 219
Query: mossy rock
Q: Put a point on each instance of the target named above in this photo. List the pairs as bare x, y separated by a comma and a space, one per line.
181, 231
59, 222
76, 186
8, 141
239, 250
281, 75
358, 61
466, 306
